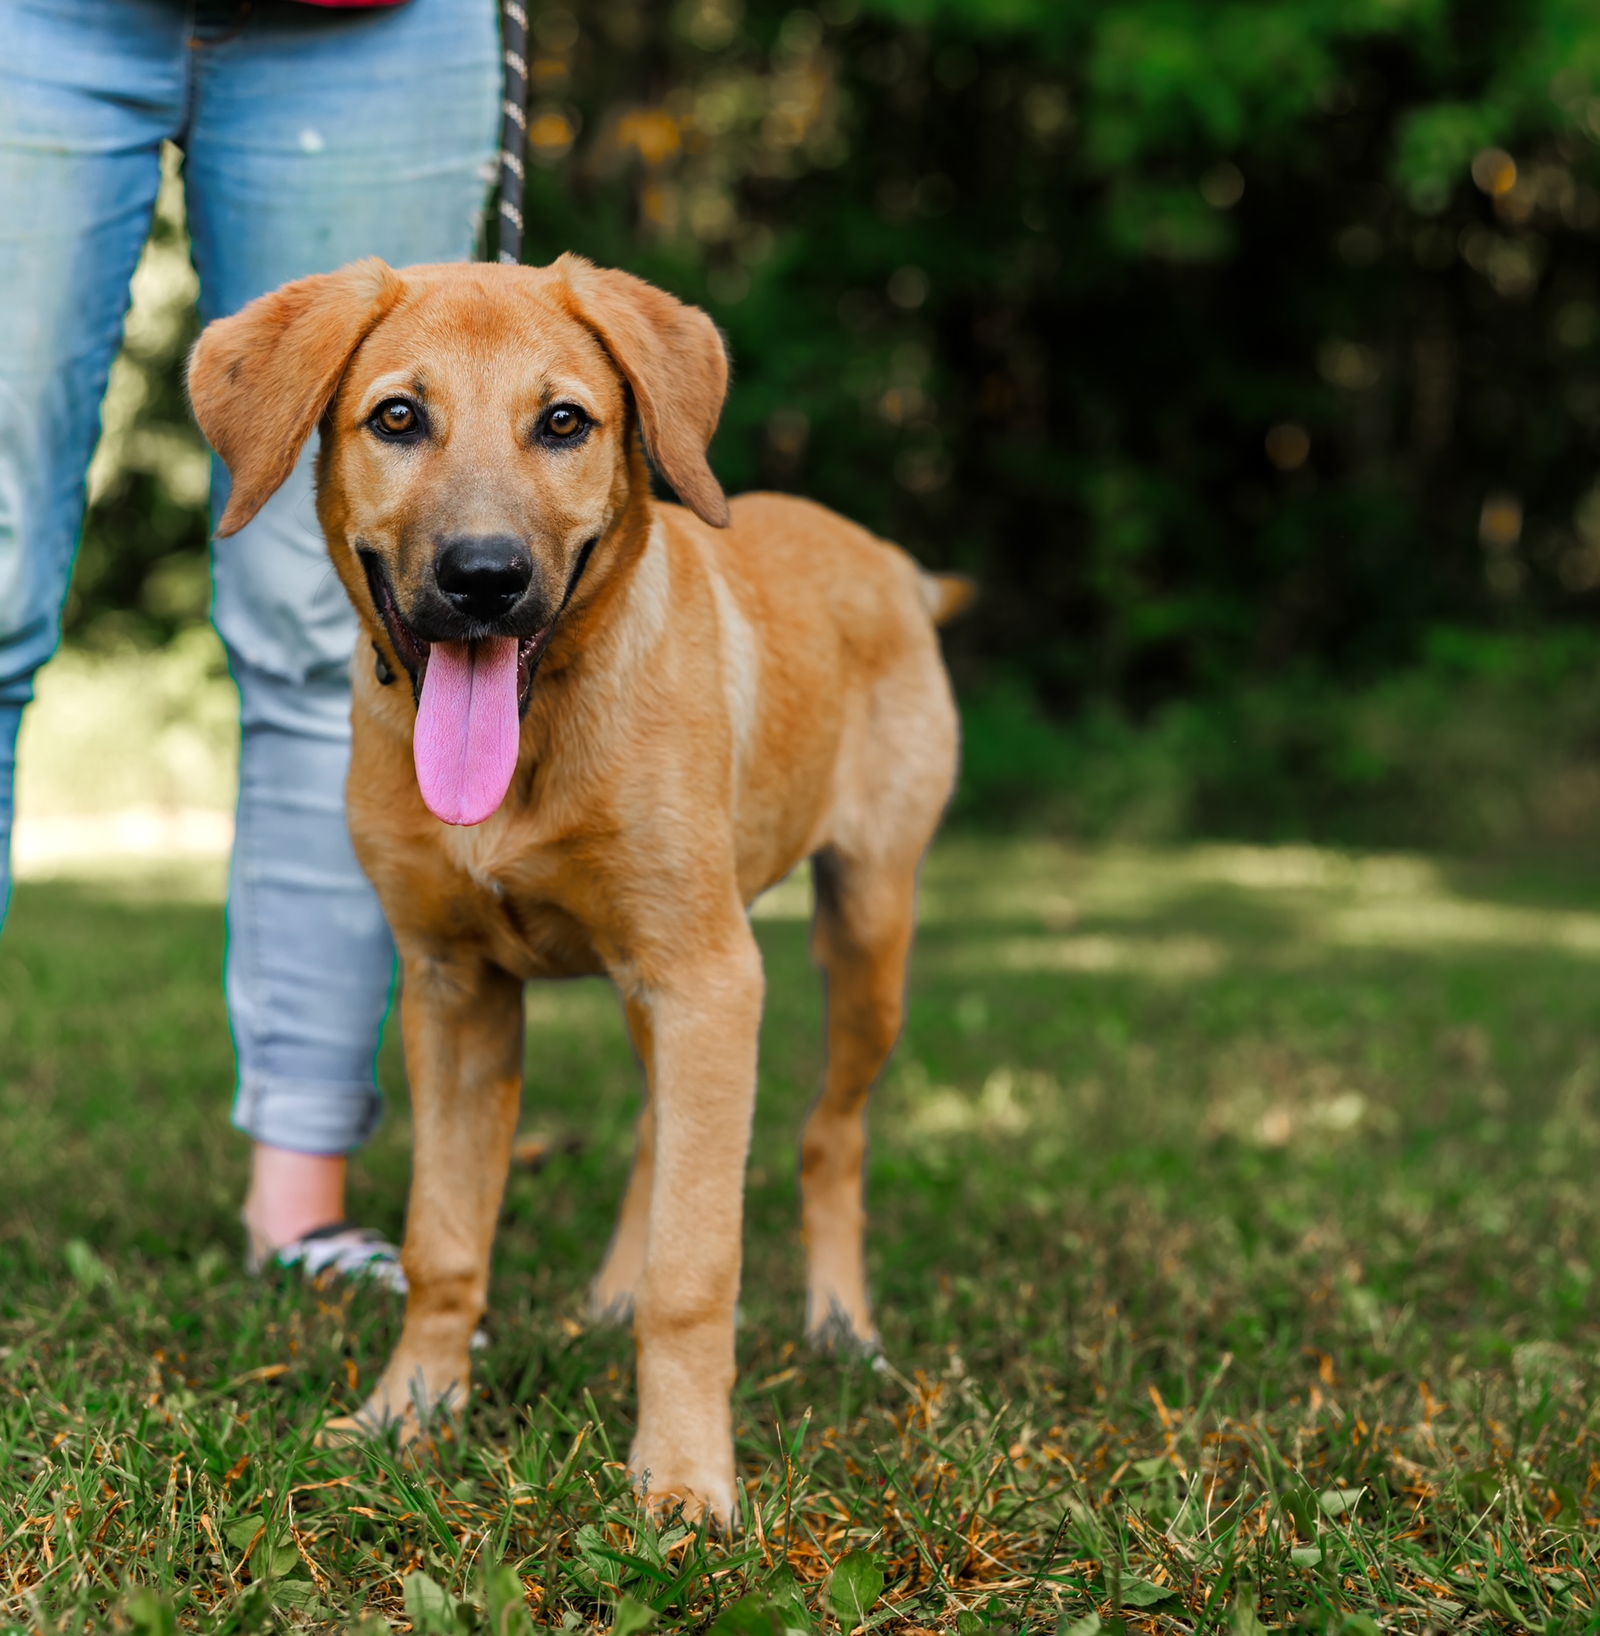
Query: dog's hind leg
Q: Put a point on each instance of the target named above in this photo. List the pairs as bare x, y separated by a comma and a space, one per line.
861, 936
611, 1296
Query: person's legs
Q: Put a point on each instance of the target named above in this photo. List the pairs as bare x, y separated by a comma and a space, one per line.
316, 138
88, 89
309, 956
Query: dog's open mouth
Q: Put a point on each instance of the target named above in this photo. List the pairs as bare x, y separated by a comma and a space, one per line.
471, 695
414, 650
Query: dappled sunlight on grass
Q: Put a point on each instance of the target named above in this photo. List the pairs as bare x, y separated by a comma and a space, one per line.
1429, 922
1302, 868
1177, 956
1264, 1096
1006, 1103
1189, 911
1124, 910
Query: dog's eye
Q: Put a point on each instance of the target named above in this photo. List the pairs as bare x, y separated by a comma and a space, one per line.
396, 418
564, 423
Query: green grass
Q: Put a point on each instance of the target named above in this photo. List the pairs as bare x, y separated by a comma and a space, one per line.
1233, 1226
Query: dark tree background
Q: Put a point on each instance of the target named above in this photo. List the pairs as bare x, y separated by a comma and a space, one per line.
1243, 351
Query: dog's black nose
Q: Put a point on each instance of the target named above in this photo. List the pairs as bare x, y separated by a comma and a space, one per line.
483, 575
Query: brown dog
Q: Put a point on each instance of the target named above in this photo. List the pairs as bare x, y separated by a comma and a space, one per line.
719, 695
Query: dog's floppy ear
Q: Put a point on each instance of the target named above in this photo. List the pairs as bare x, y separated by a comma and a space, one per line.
261, 379
672, 357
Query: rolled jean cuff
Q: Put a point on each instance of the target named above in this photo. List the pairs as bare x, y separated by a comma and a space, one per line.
306, 1115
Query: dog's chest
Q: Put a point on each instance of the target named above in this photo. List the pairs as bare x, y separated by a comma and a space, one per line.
480, 854
510, 893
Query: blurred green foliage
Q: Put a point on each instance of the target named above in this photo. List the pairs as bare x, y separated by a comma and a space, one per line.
1485, 744
1239, 348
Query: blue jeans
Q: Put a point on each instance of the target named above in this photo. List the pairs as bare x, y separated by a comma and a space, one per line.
310, 137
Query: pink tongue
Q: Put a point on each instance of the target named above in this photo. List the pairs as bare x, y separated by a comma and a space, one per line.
466, 738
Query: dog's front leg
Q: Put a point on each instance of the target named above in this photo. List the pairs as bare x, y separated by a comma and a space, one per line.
705, 1017
462, 1021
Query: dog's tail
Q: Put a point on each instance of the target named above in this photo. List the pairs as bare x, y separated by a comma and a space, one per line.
946, 595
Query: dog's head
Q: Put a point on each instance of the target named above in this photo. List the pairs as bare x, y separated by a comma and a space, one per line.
478, 433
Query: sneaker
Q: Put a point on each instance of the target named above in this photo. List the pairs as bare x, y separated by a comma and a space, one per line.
340, 1251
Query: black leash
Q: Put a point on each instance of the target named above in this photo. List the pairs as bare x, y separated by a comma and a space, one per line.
513, 128
513, 150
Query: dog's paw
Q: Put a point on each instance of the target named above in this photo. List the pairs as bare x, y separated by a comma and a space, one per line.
839, 1335
412, 1420
687, 1469
692, 1497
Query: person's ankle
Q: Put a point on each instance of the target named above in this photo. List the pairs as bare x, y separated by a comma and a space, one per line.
291, 1194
